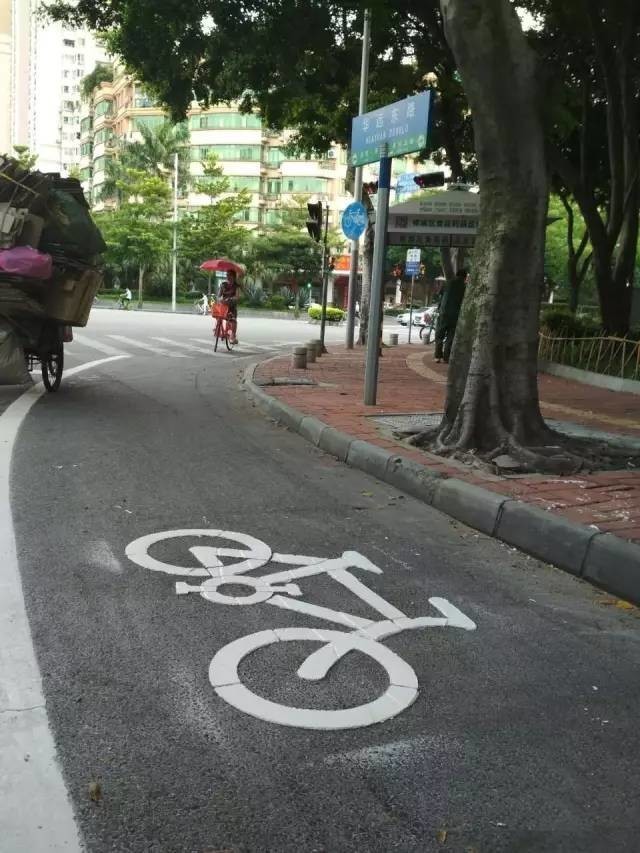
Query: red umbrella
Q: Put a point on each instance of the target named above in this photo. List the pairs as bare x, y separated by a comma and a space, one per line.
222, 265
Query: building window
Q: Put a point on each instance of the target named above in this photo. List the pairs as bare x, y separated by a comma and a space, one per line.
104, 108
305, 185
233, 121
249, 214
85, 149
244, 182
68, 42
227, 152
149, 121
86, 173
274, 187
99, 164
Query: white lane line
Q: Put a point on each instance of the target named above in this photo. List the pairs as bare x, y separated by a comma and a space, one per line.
191, 347
250, 344
89, 342
30, 772
155, 350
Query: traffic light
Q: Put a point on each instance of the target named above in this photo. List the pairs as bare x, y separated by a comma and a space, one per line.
332, 263
430, 179
314, 222
370, 188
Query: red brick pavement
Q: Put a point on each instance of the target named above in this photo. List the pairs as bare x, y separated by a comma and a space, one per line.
410, 382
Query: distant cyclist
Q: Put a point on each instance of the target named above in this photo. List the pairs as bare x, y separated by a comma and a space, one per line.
125, 299
229, 295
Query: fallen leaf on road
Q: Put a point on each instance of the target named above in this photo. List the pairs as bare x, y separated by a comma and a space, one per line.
367, 494
95, 791
441, 835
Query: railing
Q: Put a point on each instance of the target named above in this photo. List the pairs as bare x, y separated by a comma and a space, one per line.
607, 355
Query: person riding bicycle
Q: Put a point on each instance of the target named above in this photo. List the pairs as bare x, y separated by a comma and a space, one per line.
125, 299
203, 304
229, 296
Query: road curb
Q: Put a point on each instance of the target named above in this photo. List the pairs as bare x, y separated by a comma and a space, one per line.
602, 559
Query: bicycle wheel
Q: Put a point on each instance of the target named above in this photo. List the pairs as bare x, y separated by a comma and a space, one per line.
217, 334
227, 337
52, 368
401, 693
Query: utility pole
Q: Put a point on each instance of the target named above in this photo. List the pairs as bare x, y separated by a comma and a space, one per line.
174, 268
357, 186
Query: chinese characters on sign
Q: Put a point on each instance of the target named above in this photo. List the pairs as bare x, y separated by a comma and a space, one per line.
447, 219
402, 126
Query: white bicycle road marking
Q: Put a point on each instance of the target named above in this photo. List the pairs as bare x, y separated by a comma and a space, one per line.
280, 589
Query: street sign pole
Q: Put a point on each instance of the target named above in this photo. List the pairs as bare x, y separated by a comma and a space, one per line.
357, 184
377, 278
413, 281
325, 277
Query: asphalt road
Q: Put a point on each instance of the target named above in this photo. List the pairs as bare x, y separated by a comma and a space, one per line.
524, 735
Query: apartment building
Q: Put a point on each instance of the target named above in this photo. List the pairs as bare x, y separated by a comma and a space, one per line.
41, 66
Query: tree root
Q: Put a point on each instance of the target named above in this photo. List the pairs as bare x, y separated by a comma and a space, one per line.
545, 452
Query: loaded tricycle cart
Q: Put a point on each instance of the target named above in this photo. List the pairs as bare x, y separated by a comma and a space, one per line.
49, 273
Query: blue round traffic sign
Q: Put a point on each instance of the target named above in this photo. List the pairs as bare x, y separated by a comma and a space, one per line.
354, 220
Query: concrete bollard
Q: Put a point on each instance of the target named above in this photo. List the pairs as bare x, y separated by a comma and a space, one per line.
318, 345
299, 358
311, 352
393, 339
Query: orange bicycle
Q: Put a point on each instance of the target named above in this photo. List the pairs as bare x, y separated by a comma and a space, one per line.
224, 326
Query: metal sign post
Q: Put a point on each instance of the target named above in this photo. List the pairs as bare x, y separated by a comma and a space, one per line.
412, 267
398, 128
377, 278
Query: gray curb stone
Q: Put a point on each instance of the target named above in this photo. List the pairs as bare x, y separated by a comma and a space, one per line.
471, 504
413, 478
311, 429
546, 536
335, 442
285, 414
614, 565
369, 458
602, 559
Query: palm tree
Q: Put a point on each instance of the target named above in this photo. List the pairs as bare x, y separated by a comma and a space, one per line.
154, 155
156, 151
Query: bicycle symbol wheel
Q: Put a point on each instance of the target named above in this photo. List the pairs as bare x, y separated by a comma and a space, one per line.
254, 555
401, 693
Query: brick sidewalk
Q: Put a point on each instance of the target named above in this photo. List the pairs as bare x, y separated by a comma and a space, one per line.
410, 382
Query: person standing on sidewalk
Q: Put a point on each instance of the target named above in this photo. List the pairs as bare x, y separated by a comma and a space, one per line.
450, 304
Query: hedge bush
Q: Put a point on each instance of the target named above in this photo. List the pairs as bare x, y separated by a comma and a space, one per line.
277, 302
334, 315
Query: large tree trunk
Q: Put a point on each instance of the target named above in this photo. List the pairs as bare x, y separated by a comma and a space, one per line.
492, 395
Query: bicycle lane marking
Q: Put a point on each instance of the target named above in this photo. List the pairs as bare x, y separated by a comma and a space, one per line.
364, 635
30, 771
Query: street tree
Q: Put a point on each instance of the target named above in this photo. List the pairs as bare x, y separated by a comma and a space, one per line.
213, 229
594, 51
138, 232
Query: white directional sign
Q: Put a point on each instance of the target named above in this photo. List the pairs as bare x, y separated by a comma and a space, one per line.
447, 218
225, 566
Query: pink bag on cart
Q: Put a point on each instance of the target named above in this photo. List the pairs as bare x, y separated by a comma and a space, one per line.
27, 262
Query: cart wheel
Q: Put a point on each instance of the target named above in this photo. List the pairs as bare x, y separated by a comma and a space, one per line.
52, 368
